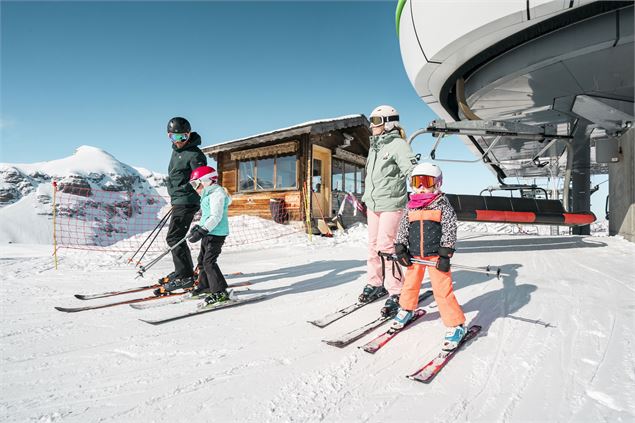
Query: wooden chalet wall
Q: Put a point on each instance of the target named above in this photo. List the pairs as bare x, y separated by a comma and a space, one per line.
257, 203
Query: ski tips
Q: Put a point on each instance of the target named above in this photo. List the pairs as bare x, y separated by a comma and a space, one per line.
68, 310
334, 343
317, 324
80, 296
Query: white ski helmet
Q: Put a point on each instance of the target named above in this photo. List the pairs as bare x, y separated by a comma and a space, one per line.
429, 169
385, 115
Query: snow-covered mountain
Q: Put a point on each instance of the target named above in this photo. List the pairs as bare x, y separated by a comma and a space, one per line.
26, 192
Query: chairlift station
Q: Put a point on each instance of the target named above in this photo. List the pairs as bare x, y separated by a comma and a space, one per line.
534, 88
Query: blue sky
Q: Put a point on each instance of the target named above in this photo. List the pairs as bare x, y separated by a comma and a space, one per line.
111, 74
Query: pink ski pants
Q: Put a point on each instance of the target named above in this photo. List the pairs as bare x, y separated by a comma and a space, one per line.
382, 231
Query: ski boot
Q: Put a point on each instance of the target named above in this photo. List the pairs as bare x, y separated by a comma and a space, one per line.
371, 293
174, 284
391, 307
401, 319
453, 337
215, 298
167, 278
199, 291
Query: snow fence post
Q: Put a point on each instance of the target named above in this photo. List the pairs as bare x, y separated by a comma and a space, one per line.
307, 211
54, 226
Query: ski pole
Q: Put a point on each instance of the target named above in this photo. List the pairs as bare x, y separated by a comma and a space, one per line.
487, 270
150, 244
160, 226
142, 269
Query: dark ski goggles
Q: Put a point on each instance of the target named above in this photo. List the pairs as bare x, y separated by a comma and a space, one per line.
174, 137
425, 181
380, 120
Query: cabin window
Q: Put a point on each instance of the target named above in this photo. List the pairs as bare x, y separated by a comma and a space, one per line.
347, 177
267, 174
359, 181
247, 175
264, 174
337, 179
316, 183
285, 172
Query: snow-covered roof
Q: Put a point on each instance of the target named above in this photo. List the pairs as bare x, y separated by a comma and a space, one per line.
313, 126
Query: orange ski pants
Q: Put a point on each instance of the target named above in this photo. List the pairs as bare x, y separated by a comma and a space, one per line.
449, 308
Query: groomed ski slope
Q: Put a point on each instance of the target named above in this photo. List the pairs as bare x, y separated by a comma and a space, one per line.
556, 343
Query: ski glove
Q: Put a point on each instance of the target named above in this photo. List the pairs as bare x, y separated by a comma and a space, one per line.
443, 264
197, 233
403, 255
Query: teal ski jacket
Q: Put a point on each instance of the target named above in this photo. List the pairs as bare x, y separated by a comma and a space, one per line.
214, 210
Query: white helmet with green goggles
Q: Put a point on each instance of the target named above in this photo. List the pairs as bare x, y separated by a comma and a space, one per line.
385, 115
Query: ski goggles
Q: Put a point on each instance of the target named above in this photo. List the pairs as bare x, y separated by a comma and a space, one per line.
380, 120
195, 183
174, 137
426, 181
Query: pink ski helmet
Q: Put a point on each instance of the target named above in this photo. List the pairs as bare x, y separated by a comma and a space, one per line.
203, 174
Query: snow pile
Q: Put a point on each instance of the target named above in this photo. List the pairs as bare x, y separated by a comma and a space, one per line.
245, 230
90, 180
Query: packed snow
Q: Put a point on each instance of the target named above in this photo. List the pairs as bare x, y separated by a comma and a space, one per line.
555, 346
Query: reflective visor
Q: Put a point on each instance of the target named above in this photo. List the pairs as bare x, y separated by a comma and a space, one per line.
195, 183
425, 181
378, 120
174, 137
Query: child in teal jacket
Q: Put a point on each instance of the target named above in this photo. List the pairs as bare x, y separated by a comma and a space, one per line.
211, 231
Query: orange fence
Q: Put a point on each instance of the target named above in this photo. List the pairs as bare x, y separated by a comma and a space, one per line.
125, 222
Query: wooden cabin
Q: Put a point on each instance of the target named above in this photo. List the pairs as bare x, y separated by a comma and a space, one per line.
325, 158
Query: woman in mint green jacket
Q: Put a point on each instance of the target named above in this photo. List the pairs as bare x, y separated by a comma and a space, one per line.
388, 167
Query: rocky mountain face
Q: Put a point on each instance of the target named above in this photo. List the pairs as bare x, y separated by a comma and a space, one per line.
16, 184
93, 186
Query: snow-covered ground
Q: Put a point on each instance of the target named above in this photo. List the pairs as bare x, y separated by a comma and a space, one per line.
556, 345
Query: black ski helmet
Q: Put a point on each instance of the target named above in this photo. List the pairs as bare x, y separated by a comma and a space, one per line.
179, 125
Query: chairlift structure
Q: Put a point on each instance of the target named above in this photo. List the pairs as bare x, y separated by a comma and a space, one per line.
535, 89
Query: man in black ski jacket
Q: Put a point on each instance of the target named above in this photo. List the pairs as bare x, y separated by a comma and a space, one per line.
186, 156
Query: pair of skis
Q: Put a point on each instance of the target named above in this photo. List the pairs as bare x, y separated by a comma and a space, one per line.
431, 369
232, 302
330, 318
354, 335
130, 301
426, 373
129, 290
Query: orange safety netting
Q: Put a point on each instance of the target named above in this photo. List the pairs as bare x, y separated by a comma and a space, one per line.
126, 222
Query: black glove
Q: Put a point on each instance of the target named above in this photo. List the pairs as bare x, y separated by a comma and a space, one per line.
197, 233
403, 255
443, 264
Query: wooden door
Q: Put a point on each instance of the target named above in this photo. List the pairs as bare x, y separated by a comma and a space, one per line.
321, 181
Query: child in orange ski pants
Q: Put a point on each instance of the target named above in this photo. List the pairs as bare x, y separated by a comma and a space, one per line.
449, 308
428, 231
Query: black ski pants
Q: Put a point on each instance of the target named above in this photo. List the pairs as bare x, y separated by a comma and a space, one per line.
210, 276
180, 221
